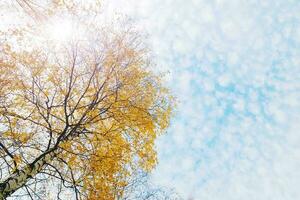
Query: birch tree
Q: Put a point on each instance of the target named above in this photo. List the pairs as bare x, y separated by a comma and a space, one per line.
77, 117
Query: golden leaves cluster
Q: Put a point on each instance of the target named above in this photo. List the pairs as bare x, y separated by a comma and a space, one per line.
98, 101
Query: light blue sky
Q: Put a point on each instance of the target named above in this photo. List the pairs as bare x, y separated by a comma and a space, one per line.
235, 69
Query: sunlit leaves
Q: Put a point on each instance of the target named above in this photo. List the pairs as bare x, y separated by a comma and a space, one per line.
93, 101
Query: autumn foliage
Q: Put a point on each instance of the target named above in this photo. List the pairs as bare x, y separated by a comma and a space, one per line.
81, 114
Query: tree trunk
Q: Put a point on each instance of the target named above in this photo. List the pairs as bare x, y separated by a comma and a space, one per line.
19, 178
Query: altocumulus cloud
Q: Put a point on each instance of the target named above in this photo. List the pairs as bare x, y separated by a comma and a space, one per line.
235, 68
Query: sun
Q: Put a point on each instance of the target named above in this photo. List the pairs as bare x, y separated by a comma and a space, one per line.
60, 30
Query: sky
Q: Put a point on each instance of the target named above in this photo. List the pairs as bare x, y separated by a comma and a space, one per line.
234, 67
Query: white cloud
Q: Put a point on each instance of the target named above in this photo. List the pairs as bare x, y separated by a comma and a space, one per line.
235, 69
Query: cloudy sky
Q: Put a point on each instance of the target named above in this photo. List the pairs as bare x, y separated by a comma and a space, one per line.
235, 69
234, 66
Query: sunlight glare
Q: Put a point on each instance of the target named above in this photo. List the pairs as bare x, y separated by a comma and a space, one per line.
60, 31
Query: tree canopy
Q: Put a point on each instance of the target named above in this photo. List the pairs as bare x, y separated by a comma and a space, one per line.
78, 116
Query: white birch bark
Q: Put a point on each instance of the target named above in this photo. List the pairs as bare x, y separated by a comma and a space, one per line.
20, 178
